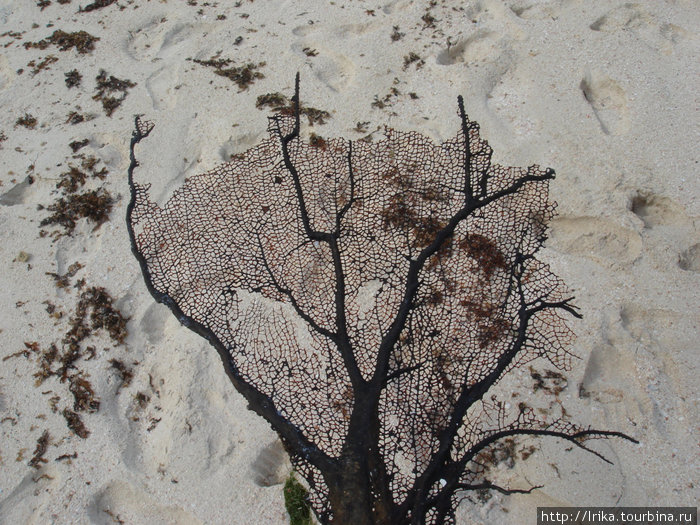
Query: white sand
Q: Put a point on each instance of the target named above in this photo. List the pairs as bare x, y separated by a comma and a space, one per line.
605, 92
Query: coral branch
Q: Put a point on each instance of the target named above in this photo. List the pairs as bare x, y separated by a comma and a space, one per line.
366, 298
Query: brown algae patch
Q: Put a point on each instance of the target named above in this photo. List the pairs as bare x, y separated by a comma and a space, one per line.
28, 121
243, 76
82, 41
73, 78
41, 445
97, 4
107, 87
281, 104
64, 361
93, 205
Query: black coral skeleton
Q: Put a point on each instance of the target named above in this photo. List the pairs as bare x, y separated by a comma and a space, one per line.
365, 297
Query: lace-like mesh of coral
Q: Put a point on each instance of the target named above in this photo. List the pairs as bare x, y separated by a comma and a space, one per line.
231, 250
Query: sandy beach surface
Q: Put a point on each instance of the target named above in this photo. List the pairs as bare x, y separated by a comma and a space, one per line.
139, 424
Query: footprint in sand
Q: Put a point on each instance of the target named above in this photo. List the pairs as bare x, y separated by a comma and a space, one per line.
161, 86
600, 239
491, 42
332, 68
632, 17
341, 31
673, 33
650, 324
396, 5
689, 260
599, 380
482, 45
528, 10
7, 74
159, 38
238, 144
490, 51
655, 210
330, 64
627, 16
17, 194
153, 322
609, 102
336, 71
271, 466
663, 342
27, 501
121, 502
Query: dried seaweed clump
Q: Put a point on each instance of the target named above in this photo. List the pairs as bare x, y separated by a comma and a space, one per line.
28, 121
95, 311
75, 178
366, 298
42, 445
43, 65
76, 118
63, 281
107, 86
281, 105
75, 423
396, 35
94, 205
126, 374
73, 78
551, 381
102, 315
243, 76
413, 58
78, 144
97, 4
64, 362
82, 41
